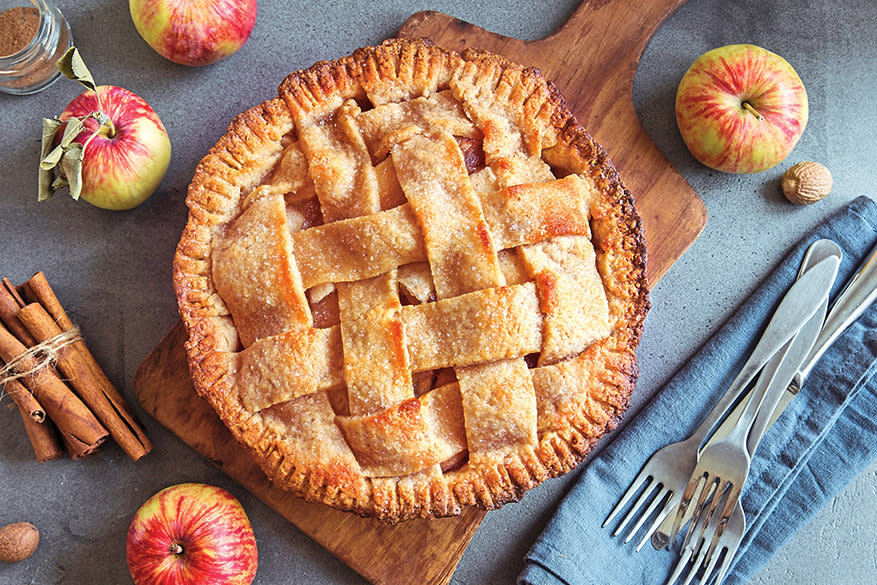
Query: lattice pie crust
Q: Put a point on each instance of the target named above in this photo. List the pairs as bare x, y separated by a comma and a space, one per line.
412, 283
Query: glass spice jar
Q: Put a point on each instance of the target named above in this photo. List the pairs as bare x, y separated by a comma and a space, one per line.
33, 35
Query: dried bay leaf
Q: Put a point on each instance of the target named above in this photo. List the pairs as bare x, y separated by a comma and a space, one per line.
66, 156
50, 127
51, 160
71, 166
71, 65
71, 131
46, 177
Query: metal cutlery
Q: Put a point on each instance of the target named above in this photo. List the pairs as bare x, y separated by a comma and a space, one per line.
859, 292
785, 355
669, 468
724, 463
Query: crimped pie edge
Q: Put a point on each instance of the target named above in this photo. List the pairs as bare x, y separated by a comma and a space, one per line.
236, 164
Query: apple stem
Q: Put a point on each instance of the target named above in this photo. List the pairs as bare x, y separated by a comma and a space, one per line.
749, 108
176, 548
105, 127
106, 124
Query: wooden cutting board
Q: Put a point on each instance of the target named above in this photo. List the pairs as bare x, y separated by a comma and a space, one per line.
592, 59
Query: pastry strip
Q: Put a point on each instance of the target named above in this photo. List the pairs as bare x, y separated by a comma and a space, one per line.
340, 165
364, 247
499, 403
256, 274
413, 435
389, 123
292, 364
458, 243
376, 367
571, 295
485, 325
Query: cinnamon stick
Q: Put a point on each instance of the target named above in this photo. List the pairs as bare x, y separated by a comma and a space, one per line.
38, 290
43, 435
96, 391
76, 448
26, 402
13, 290
67, 411
10, 304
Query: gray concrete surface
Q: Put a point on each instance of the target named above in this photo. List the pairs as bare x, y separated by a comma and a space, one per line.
112, 270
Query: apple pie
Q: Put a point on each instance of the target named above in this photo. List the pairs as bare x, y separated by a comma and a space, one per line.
412, 283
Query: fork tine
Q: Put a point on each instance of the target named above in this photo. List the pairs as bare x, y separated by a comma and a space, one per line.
711, 565
719, 522
661, 496
669, 507
694, 566
695, 483
680, 566
700, 557
640, 479
688, 564
717, 567
664, 522
705, 505
714, 527
689, 557
732, 537
723, 567
647, 493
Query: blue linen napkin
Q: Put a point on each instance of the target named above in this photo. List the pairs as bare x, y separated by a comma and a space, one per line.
826, 436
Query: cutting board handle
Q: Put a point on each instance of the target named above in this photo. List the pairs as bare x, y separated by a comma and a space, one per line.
603, 39
641, 19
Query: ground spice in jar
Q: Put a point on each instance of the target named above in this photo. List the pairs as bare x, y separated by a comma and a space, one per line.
18, 26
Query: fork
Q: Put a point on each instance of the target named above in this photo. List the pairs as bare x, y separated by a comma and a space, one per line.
712, 560
718, 524
858, 293
727, 533
719, 475
672, 466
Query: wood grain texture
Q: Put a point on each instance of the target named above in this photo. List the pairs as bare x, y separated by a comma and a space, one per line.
592, 59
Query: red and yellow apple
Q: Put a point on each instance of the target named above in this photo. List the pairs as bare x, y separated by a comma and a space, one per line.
191, 534
741, 109
194, 32
126, 147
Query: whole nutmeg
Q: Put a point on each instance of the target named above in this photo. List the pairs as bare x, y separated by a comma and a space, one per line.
806, 182
18, 541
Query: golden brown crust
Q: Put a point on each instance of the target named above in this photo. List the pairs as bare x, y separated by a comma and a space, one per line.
577, 400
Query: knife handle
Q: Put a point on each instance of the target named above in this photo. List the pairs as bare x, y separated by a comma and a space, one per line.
796, 307
858, 294
816, 252
778, 385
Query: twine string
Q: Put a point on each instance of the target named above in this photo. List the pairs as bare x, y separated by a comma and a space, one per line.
42, 355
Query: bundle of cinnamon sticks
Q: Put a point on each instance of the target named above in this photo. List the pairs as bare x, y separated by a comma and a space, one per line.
66, 401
